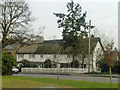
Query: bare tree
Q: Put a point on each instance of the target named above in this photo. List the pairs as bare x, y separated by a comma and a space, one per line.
35, 37
14, 16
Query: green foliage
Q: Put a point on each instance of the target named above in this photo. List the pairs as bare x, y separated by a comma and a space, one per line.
72, 24
93, 72
7, 63
47, 64
74, 27
116, 67
105, 68
103, 65
29, 64
31, 82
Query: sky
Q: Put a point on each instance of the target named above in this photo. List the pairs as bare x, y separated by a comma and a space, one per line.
102, 13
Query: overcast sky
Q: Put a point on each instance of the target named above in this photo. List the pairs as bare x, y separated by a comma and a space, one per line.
103, 14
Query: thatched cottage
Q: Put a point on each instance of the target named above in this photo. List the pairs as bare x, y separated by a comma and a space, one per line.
45, 55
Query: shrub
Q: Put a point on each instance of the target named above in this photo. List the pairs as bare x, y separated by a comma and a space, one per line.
7, 63
29, 64
116, 67
105, 68
103, 65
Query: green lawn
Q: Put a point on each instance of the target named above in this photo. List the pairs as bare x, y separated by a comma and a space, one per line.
31, 82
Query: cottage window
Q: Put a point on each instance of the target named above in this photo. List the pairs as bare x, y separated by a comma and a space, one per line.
21, 56
31, 55
54, 56
68, 56
41, 56
84, 65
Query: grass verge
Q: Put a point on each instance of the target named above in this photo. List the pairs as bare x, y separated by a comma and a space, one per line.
31, 82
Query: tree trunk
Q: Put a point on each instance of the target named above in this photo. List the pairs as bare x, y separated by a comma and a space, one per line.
73, 55
82, 62
89, 64
110, 76
4, 39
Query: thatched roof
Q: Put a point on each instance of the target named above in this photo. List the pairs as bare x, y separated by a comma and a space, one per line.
93, 43
48, 49
59, 41
53, 46
27, 49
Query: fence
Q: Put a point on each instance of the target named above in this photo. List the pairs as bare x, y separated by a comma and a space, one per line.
54, 70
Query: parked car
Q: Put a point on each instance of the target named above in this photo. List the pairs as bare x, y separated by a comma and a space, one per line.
15, 70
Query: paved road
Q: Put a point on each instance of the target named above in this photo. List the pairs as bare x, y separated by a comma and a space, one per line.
81, 77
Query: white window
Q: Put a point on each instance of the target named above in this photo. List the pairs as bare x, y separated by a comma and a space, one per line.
41, 56
31, 55
20, 55
54, 56
68, 56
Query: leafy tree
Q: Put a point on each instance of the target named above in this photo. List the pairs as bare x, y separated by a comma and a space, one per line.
7, 63
73, 24
116, 66
83, 49
109, 57
103, 64
14, 16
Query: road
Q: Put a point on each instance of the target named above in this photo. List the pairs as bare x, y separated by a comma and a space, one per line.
81, 77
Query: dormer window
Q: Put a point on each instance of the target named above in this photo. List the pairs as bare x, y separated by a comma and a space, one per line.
21, 56
41, 56
68, 56
31, 55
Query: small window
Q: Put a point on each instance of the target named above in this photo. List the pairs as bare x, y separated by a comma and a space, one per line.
84, 65
31, 55
41, 56
54, 56
20, 56
68, 56
98, 48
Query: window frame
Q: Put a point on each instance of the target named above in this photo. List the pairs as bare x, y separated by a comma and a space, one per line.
41, 55
31, 55
20, 55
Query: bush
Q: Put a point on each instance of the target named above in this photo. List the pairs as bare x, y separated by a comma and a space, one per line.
7, 63
103, 65
93, 72
116, 67
105, 68
28, 64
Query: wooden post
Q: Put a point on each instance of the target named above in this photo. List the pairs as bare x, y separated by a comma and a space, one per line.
58, 63
89, 47
110, 76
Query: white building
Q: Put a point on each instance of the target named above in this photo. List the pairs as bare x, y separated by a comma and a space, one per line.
46, 55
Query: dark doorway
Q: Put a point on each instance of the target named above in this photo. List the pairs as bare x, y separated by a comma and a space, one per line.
47, 64
74, 64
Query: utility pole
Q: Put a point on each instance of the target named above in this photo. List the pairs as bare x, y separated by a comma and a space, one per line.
89, 47
58, 65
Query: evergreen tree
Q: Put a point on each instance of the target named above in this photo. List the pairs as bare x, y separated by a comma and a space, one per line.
73, 24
